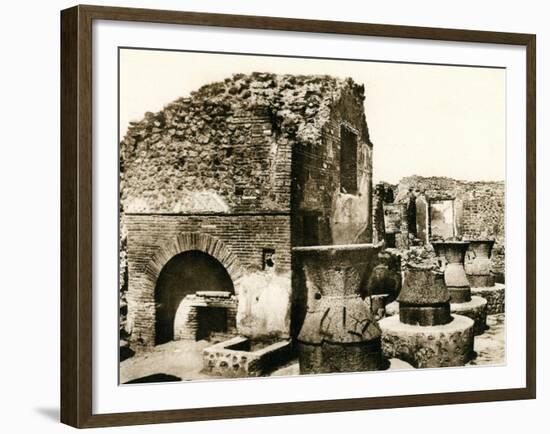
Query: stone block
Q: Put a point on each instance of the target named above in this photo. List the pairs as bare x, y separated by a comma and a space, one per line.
495, 296
234, 358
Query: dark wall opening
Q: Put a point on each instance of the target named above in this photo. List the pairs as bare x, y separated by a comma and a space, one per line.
211, 320
348, 161
184, 274
310, 229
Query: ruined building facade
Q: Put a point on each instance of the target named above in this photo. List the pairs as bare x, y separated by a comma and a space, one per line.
443, 208
217, 188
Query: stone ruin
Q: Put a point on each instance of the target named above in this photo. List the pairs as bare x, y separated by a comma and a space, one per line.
227, 181
420, 209
264, 183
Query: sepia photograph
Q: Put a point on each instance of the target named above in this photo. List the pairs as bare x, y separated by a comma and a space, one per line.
283, 216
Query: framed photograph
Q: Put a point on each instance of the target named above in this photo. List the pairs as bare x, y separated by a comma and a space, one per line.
266, 216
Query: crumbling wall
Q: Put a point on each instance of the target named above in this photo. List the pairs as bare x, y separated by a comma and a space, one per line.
224, 162
263, 293
226, 148
479, 208
343, 217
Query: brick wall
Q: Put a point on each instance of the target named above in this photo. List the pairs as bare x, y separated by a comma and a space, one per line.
217, 170
344, 217
227, 148
237, 241
479, 208
186, 322
230, 163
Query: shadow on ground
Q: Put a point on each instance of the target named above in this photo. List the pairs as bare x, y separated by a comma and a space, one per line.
154, 378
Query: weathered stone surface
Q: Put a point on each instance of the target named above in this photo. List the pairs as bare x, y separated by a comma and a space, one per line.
187, 318
475, 309
207, 137
495, 296
327, 357
478, 265
422, 256
340, 320
453, 254
383, 280
336, 313
234, 358
423, 286
481, 281
230, 163
339, 329
429, 347
479, 208
377, 304
236, 241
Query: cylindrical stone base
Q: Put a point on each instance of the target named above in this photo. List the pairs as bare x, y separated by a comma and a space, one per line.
475, 309
332, 357
495, 296
445, 345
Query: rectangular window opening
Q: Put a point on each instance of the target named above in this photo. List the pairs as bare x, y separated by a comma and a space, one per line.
310, 229
348, 161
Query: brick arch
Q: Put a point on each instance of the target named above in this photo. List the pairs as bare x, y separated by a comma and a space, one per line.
187, 241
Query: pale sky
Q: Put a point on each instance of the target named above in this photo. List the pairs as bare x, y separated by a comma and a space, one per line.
427, 120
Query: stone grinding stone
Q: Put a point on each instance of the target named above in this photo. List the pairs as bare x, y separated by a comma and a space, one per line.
333, 357
495, 296
340, 319
423, 286
446, 345
475, 309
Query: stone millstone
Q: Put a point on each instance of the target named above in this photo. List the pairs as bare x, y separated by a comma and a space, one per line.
424, 299
340, 320
329, 357
423, 286
339, 333
454, 253
478, 269
451, 344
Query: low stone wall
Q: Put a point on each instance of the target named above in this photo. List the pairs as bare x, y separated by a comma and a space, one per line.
495, 296
233, 358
